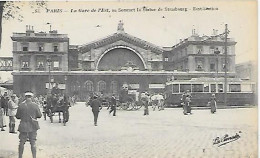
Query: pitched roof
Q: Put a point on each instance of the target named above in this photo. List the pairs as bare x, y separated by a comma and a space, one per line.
120, 36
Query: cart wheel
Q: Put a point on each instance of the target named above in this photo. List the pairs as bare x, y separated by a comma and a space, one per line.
138, 105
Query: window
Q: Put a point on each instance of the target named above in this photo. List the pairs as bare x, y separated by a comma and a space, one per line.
185, 87
55, 48
25, 48
199, 65
197, 88
56, 64
40, 64
199, 49
234, 87
175, 88
206, 87
25, 64
212, 67
213, 87
89, 86
40, 48
114, 87
166, 59
101, 86
220, 87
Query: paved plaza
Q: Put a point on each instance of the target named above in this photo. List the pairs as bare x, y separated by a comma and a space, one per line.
162, 134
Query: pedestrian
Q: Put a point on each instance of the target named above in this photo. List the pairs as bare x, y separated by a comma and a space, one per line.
4, 102
28, 112
113, 105
2, 121
96, 107
213, 104
12, 109
146, 103
186, 99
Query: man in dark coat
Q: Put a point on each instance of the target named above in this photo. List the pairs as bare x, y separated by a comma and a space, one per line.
96, 107
4, 102
28, 112
113, 105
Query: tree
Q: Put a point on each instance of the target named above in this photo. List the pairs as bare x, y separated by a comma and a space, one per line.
12, 9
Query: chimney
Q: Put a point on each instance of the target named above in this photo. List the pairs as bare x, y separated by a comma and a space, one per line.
214, 32
26, 27
180, 40
32, 28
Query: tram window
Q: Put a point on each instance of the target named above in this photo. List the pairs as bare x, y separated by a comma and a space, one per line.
185, 87
213, 87
206, 88
197, 88
235, 88
175, 88
220, 87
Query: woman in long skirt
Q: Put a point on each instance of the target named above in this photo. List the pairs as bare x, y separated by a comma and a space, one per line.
2, 119
213, 104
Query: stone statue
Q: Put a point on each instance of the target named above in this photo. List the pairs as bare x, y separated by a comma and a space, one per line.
120, 26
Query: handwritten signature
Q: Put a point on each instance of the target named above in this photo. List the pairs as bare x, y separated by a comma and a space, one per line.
220, 141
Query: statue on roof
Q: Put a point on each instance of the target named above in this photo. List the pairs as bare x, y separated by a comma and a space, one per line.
120, 26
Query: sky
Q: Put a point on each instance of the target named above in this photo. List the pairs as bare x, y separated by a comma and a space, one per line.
241, 17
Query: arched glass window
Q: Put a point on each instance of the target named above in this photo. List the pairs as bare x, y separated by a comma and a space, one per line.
114, 87
101, 86
89, 86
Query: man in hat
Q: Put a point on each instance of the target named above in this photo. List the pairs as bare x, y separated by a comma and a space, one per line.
4, 102
96, 107
28, 112
12, 109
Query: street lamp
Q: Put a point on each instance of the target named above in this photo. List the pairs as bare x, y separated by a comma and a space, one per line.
65, 78
49, 66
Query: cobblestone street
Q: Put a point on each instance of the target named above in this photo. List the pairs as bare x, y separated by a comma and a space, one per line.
162, 134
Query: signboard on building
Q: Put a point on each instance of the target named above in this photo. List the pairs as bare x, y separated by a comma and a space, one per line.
156, 85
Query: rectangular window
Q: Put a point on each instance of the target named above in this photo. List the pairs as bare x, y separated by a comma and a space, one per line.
234, 87
40, 65
212, 67
166, 59
40, 48
25, 48
197, 88
56, 64
175, 88
206, 87
25, 64
220, 87
213, 87
185, 87
55, 48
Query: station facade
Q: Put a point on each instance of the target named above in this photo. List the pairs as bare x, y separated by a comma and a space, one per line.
41, 59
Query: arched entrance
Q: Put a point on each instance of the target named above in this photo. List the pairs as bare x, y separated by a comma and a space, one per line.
120, 58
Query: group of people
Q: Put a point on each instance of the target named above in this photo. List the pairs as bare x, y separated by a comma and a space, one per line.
27, 111
9, 105
186, 100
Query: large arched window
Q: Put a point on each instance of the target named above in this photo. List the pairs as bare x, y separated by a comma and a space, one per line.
113, 87
101, 86
89, 86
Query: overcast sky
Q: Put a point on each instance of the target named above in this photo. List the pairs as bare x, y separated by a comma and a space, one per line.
241, 17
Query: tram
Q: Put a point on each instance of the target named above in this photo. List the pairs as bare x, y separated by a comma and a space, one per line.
239, 92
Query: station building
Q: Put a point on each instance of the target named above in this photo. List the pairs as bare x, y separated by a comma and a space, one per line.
41, 59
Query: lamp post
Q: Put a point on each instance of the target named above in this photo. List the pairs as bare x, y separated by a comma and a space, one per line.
49, 66
65, 78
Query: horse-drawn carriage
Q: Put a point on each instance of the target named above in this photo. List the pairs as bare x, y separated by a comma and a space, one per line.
57, 104
129, 100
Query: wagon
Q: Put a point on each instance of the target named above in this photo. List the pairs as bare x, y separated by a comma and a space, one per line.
57, 105
128, 100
